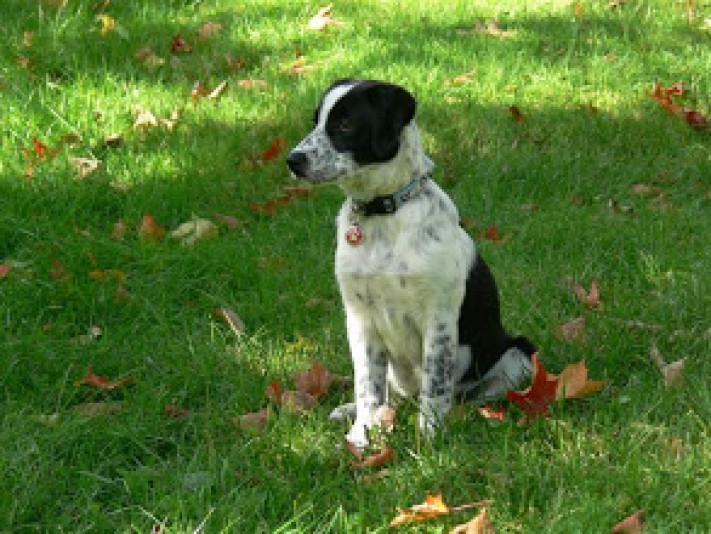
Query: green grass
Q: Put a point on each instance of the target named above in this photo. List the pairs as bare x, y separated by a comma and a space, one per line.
592, 463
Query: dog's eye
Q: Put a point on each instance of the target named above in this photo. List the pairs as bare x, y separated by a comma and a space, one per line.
344, 126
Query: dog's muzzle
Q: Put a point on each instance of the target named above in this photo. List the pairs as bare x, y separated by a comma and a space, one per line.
298, 163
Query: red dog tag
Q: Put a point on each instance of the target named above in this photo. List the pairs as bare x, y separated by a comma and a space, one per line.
354, 234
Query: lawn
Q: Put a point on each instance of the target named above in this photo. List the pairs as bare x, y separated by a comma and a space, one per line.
539, 119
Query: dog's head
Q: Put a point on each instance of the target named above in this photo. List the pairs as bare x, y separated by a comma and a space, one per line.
357, 123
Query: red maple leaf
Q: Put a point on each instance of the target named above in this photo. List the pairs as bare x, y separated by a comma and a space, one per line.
535, 399
274, 150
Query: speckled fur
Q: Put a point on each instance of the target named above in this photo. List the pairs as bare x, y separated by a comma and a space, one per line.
403, 286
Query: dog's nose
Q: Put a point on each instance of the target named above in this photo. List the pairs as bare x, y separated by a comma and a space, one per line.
297, 162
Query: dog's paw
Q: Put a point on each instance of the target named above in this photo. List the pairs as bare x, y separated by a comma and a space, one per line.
344, 412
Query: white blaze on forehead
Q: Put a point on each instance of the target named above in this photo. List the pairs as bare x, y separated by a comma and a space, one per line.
330, 99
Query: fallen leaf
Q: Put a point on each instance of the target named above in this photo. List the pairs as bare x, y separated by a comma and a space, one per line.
149, 231
195, 230
171, 410
535, 399
58, 271
481, 524
113, 140
643, 189
299, 67
377, 459
230, 318
218, 91
107, 24
487, 412
5, 269
573, 382
323, 19
252, 84
491, 28
313, 382
384, 417
28, 38
94, 409
198, 91
84, 166
208, 30
591, 298
297, 402
630, 525
274, 149
178, 45
100, 382
253, 422
673, 372
274, 391
119, 230
433, 506
573, 330
145, 120
148, 57
231, 222
234, 65
492, 234
664, 96
517, 114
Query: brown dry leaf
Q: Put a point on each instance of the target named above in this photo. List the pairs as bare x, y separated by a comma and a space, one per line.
93, 409
630, 525
313, 382
178, 45
643, 189
230, 318
58, 271
84, 166
119, 230
100, 382
233, 223
149, 231
253, 422
145, 120
274, 391
252, 84
208, 30
297, 402
171, 410
433, 506
113, 140
195, 230
573, 382
591, 298
487, 412
517, 114
148, 58
481, 524
234, 65
377, 459
323, 19
673, 372
198, 91
218, 91
573, 330
299, 67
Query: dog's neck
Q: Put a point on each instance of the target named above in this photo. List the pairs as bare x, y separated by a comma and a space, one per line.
380, 179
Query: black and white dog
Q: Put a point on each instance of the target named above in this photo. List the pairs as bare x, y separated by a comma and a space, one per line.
421, 305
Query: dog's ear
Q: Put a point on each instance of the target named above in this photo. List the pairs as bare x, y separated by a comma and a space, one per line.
394, 108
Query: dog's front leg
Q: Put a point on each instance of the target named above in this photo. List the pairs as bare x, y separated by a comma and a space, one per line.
369, 364
437, 387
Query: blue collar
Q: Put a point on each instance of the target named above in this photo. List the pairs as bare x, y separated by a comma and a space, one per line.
388, 204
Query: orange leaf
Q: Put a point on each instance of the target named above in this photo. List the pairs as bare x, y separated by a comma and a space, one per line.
149, 230
100, 382
535, 399
432, 507
313, 382
630, 525
481, 524
274, 150
487, 412
573, 382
